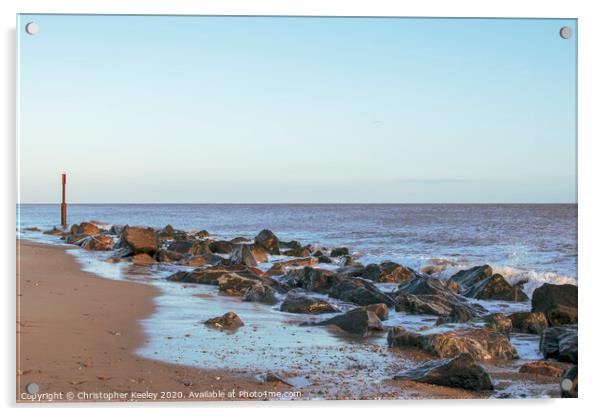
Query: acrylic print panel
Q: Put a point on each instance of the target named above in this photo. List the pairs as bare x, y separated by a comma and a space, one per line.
296, 208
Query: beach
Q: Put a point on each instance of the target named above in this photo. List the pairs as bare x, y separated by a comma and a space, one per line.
77, 333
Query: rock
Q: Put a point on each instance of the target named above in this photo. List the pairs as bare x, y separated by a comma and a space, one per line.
167, 256
234, 284
318, 280
298, 302
529, 322
359, 291
544, 368
460, 371
260, 293
482, 343
195, 248
229, 321
54, 231
357, 321
269, 241
298, 252
210, 275
85, 228
388, 272
569, 383
495, 288
142, 259
99, 242
560, 343
166, 233
249, 255
201, 234
324, 259
339, 251
240, 240
428, 295
197, 261
557, 302
221, 247
280, 267
499, 323
74, 238
289, 245
139, 240
271, 377
380, 309
467, 278
116, 229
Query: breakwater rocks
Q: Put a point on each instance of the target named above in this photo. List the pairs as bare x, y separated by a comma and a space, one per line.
333, 289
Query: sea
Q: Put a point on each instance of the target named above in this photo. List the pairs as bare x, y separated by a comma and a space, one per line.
534, 243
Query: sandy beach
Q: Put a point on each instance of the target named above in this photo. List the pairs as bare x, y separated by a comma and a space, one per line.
77, 335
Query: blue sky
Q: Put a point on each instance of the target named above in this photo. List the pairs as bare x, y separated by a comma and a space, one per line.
240, 109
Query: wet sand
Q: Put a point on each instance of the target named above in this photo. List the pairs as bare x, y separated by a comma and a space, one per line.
77, 334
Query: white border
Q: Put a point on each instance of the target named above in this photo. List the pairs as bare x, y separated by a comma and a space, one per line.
590, 207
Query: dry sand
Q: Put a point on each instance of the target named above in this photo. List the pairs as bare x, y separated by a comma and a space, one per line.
77, 333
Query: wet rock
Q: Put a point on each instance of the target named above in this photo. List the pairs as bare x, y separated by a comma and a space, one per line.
210, 275
569, 383
99, 242
467, 278
142, 259
529, 322
298, 252
195, 248
560, 343
460, 371
422, 305
268, 241
499, 323
139, 240
234, 284
240, 240
221, 247
54, 231
74, 238
169, 233
260, 293
168, 256
359, 291
324, 259
495, 288
289, 245
201, 234
249, 255
380, 309
298, 302
229, 321
557, 302
86, 229
318, 280
388, 272
339, 252
280, 267
357, 321
116, 229
544, 368
197, 261
482, 344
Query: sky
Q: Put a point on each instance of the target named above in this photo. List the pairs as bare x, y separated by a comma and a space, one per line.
182, 109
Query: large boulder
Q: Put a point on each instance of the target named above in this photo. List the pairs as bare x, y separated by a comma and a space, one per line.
560, 343
195, 248
360, 291
85, 228
168, 256
298, 252
139, 240
558, 302
495, 288
260, 293
318, 280
298, 302
228, 321
170, 233
339, 252
268, 241
249, 255
380, 309
529, 322
357, 321
388, 272
142, 259
482, 343
210, 275
460, 371
234, 284
280, 267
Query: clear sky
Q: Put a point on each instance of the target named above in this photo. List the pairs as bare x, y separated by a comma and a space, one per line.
266, 109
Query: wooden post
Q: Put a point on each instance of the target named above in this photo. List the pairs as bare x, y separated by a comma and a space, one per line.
64, 203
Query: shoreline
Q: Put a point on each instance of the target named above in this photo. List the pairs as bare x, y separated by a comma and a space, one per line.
78, 333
